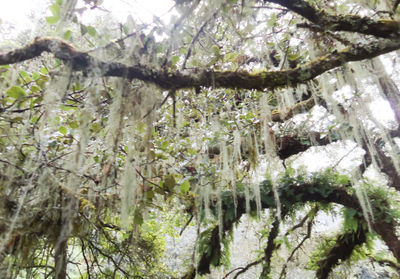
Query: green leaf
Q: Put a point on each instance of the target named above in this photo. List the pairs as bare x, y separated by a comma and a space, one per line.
16, 119
293, 57
95, 127
52, 19
185, 186
55, 10
35, 75
272, 20
77, 87
174, 60
74, 125
91, 31
215, 49
44, 71
34, 89
16, 92
169, 182
230, 57
67, 108
137, 218
67, 35
35, 119
24, 75
164, 145
62, 130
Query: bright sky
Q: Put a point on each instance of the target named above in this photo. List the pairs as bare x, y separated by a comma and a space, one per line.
20, 13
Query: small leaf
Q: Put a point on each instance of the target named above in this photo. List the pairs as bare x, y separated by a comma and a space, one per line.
16, 119
293, 57
16, 92
51, 19
24, 74
62, 130
55, 10
137, 218
35, 119
35, 75
174, 60
185, 186
272, 20
44, 71
95, 127
67, 108
215, 49
91, 31
230, 57
34, 89
67, 35
169, 182
74, 125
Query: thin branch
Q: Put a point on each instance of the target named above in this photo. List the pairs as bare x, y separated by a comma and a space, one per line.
15, 166
195, 38
176, 28
244, 269
307, 236
187, 224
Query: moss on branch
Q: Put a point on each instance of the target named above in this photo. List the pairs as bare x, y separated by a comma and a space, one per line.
82, 61
381, 28
325, 188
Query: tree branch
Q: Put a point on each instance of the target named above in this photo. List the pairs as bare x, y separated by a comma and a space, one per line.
270, 248
381, 28
342, 250
82, 61
318, 189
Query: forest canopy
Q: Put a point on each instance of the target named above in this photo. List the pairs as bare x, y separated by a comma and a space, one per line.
120, 138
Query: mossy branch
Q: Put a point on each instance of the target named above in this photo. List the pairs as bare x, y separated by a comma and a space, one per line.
381, 28
324, 188
82, 61
342, 249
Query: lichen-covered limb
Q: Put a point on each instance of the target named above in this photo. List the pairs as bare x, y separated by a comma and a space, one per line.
270, 248
382, 28
388, 86
322, 189
289, 145
341, 251
300, 107
82, 61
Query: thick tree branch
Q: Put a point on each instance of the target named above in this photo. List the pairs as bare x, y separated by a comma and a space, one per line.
82, 61
318, 190
270, 248
289, 145
300, 107
382, 28
341, 251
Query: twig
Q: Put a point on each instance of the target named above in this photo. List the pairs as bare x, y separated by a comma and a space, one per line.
175, 29
187, 224
307, 236
195, 38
